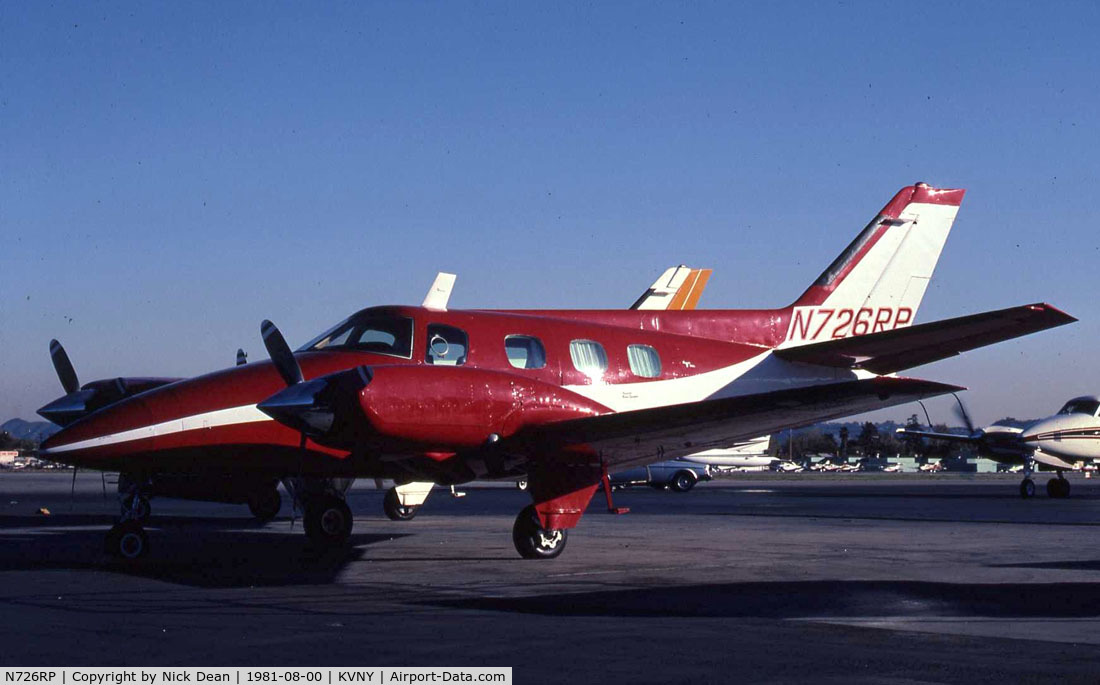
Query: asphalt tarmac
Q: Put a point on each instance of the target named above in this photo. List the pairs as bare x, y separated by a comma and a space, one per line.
822, 578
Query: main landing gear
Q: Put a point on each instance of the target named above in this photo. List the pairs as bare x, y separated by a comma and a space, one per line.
532, 541
326, 516
265, 504
1058, 488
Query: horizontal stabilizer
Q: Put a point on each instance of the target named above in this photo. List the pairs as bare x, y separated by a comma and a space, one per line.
650, 435
905, 348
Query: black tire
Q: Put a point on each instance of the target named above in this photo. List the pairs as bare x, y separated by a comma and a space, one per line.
683, 481
136, 508
265, 504
1027, 488
395, 511
127, 540
327, 520
1058, 488
532, 541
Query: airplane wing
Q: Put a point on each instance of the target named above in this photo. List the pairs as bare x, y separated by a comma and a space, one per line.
903, 348
948, 437
650, 435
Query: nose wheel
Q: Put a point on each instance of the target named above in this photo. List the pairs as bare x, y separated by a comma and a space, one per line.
532, 541
1027, 488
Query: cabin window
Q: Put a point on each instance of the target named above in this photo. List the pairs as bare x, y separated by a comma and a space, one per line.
447, 345
525, 352
588, 357
644, 361
378, 333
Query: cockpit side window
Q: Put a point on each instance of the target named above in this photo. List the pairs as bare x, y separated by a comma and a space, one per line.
447, 345
1082, 406
378, 333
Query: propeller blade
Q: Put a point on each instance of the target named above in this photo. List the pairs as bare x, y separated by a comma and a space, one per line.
242, 357
280, 353
964, 416
65, 372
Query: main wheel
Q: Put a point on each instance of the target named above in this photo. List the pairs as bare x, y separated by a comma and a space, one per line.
136, 508
1027, 488
532, 541
127, 540
265, 504
1058, 488
391, 504
327, 520
683, 481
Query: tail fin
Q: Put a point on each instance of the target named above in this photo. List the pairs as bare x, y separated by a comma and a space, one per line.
878, 282
679, 287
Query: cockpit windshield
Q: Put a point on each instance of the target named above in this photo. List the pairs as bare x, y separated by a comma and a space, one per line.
1081, 406
368, 332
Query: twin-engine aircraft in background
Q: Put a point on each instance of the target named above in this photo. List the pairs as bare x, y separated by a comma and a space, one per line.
558, 396
1059, 442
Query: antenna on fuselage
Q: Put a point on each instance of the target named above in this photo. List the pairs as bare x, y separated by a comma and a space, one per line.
440, 292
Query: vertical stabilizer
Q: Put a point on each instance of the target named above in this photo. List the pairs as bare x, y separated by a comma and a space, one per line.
878, 282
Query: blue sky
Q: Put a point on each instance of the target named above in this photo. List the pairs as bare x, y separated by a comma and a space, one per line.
172, 174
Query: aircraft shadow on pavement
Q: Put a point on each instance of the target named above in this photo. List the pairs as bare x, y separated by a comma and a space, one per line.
224, 555
812, 599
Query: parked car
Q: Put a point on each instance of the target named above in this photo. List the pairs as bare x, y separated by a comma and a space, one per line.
680, 476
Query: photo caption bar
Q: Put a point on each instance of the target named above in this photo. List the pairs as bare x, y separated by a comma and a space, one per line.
271, 675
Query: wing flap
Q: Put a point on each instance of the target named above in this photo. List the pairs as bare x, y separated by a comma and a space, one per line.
905, 348
650, 435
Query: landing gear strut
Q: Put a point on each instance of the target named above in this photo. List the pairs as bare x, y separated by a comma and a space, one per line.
532, 541
1058, 488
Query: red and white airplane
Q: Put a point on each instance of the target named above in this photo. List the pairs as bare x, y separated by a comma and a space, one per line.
418, 393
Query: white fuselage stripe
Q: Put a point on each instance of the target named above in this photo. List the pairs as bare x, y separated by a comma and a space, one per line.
231, 416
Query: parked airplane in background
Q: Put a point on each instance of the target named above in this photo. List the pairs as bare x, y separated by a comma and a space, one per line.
560, 396
1058, 441
747, 454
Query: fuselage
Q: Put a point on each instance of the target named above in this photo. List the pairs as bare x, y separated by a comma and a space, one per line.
602, 361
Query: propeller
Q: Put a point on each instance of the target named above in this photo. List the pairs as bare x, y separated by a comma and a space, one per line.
65, 372
964, 416
305, 406
280, 353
